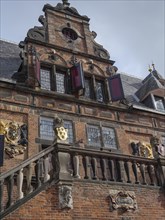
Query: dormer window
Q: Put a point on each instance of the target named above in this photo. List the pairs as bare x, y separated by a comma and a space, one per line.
159, 103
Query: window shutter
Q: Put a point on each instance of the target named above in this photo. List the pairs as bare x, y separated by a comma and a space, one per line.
1, 149
77, 78
116, 88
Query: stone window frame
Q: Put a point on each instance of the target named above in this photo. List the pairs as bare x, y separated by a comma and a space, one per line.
102, 144
54, 80
159, 101
93, 81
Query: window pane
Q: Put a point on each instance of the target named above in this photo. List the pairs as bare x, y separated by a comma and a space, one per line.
99, 92
109, 138
68, 125
45, 79
93, 133
60, 87
46, 128
159, 103
87, 88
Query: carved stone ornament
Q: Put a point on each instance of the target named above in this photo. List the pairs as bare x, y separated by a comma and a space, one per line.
15, 137
65, 197
158, 148
125, 200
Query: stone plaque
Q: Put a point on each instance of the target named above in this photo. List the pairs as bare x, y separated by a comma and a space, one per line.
125, 200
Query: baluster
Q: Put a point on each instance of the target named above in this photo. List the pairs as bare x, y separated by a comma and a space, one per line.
20, 183
85, 165
127, 171
46, 169
103, 168
10, 183
28, 173
76, 165
94, 167
142, 171
150, 173
134, 168
158, 177
118, 166
111, 169
38, 173
1, 193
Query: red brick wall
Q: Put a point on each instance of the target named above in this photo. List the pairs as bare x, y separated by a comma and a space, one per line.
91, 202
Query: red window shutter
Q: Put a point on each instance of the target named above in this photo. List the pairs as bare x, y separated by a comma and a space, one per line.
116, 88
77, 78
1, 149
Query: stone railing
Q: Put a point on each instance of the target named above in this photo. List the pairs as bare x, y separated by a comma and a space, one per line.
64, 163
110, 167
23, 182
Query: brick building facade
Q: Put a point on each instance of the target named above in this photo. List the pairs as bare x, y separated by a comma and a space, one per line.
81, 141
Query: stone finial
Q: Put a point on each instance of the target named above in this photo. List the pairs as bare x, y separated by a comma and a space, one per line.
65, 2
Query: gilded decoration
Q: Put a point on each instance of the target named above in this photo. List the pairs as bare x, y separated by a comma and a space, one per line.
15, 135
60, 132
125, 200
142, 149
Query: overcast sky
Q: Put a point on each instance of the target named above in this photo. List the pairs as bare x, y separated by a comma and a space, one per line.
132, 31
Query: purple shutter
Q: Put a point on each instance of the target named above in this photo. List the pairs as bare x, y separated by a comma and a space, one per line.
1, 149
116, 88
77, 78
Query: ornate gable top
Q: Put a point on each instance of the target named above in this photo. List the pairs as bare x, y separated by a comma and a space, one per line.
65, 7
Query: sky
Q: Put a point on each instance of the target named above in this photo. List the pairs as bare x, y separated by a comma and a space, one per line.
133, 31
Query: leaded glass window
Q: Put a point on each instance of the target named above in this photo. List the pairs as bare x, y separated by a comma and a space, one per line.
101, 136
93, 133
109, 138
46, 128
68, 125
87, 88
99, 91
45, 79
60, 82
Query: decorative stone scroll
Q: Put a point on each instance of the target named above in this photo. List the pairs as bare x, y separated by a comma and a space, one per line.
125, 200
65, 197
